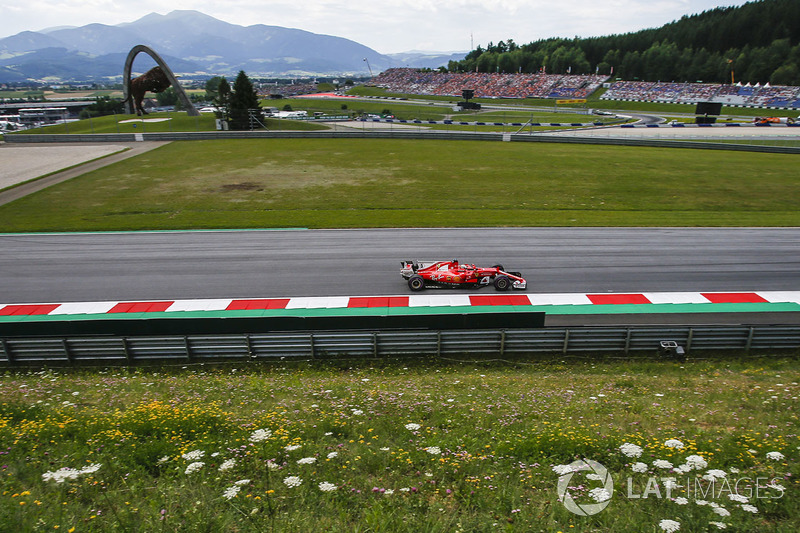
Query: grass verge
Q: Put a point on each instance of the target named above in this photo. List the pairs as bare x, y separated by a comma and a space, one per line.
320, 183
425, 445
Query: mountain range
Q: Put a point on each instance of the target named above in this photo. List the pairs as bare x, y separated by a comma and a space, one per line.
194, 45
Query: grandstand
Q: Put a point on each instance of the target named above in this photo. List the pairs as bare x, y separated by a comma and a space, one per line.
757, 96
488, 85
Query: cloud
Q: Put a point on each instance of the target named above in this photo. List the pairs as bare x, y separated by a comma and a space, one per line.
384, 25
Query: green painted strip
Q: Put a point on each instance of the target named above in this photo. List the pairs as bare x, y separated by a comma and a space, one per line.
399, 311
211, 230
643, 309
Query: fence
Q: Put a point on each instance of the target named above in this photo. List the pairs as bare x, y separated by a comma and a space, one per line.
109, 350
391, 134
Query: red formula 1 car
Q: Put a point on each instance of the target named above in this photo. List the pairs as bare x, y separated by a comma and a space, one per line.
454, 274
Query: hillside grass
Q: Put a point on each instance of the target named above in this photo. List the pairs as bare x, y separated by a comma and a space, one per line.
415, 445
349, 183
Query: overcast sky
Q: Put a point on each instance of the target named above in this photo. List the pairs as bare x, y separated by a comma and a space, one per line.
387, 26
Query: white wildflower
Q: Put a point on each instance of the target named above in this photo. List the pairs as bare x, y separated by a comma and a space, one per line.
674, 443
333, 455
719, 525
721, 511
749, 508
631, 450
260, 435
562, 470
194, 467
661, 463
90, 469
327, 487
639, 468
194, 455
599, 495
307, 460
227, 465
775, 456
433, 450
292, 481
357, 412
242, 482
738, 498
669, 526
714, 474
413, 427
696, 462
231, 492
61, 475
389, 492
292, 447
680, 500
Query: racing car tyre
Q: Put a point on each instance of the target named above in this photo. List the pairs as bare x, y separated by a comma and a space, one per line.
502, 283
416, 282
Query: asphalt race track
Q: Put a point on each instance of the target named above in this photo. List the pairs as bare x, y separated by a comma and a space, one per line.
38, 268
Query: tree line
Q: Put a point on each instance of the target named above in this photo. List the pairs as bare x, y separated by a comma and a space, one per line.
756, 42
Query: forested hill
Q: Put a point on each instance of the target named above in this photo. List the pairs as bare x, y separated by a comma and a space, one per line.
759, 42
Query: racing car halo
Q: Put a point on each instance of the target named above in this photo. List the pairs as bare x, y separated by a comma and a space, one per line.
422, 274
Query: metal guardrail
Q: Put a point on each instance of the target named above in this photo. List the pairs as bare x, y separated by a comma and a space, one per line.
390, 134
325, 344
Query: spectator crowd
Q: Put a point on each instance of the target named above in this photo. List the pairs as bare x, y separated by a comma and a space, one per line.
745, 95
488, 85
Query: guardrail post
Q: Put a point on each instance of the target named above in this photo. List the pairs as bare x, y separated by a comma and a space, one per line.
249, 346
628, 340
566, 341
188, 346
126, 350
66, 350
749, 339
439, 343
7, 351
375, 344
311, 344
690, 339
502, 342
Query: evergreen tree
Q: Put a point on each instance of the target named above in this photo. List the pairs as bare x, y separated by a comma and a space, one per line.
761, 38
243, 99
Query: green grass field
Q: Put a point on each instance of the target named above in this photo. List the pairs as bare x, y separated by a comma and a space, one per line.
324, 183
423, 445
157, 123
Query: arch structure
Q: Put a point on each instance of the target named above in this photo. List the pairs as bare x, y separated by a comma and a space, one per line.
126, 80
